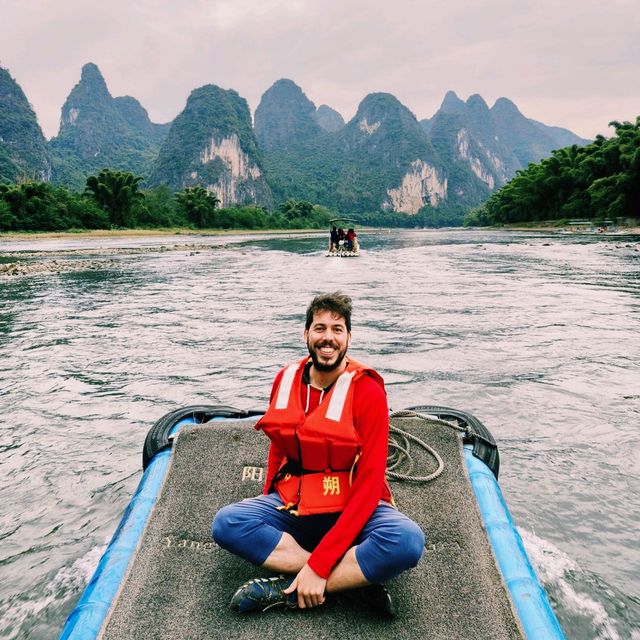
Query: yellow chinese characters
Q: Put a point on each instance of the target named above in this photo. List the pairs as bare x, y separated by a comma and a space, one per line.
331, 485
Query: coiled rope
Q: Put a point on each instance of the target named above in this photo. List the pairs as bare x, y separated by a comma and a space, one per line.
399, 448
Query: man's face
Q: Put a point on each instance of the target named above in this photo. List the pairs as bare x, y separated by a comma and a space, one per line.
328, 340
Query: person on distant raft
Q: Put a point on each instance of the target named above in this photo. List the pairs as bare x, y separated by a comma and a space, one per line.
349, 239
333, 241
326, 521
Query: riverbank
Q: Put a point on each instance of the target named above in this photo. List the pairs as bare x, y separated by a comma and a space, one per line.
26, 254
540, 228
61, 260
190, 233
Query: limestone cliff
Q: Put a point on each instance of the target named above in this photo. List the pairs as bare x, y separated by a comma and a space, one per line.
421, 184
239, 178
477, 165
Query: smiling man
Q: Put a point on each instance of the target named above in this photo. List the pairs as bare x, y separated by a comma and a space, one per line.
326, 521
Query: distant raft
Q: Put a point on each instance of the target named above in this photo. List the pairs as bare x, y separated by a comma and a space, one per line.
162, 577
341, 244
344, 253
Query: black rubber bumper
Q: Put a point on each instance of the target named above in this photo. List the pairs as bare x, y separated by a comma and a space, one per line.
159, 437
484, 446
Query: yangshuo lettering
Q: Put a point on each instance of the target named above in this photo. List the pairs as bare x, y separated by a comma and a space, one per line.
197, 546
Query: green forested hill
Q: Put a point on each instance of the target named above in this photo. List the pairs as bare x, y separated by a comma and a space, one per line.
97, 130
600, 180
301, 158
381, 144
285, 117
137, 118
525, 139
350, 168
383, 161
493, 142
211, 143
383, 156
23, 148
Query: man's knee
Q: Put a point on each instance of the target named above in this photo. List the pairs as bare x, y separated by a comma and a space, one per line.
248, 529
224, 528
391, 549
411, 545
403, 546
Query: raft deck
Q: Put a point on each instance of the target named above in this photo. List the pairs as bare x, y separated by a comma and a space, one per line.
180, 583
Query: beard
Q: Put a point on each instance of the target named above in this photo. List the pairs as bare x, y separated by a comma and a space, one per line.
325, 367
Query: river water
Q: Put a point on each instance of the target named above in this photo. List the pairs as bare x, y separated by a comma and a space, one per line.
536, 335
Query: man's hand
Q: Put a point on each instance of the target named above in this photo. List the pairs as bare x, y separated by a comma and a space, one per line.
310, 587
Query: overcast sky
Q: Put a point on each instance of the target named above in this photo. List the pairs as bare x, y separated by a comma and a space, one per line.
571, 63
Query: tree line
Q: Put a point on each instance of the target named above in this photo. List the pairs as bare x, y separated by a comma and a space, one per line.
598, 181
116, 200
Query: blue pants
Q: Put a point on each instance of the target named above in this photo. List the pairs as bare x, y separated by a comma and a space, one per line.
388, 544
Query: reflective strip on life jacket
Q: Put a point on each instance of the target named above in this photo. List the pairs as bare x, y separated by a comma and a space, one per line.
339, 395
284, 392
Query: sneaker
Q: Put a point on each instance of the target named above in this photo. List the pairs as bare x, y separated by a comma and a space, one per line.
374, 598
261, 594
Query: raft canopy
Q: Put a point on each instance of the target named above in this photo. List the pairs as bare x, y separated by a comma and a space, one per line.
335, 221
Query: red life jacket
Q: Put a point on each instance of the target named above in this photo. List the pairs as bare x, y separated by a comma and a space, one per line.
321, 449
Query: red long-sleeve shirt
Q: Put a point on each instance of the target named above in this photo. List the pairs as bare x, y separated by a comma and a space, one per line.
371, 421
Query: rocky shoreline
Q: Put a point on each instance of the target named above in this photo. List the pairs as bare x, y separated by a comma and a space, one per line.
53, 266
26, 263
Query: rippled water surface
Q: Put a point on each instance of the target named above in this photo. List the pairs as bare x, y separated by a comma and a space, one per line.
536, 335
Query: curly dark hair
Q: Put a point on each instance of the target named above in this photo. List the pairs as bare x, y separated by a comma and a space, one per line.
336, 302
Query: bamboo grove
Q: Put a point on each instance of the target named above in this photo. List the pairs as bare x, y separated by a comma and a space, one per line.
596, 182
